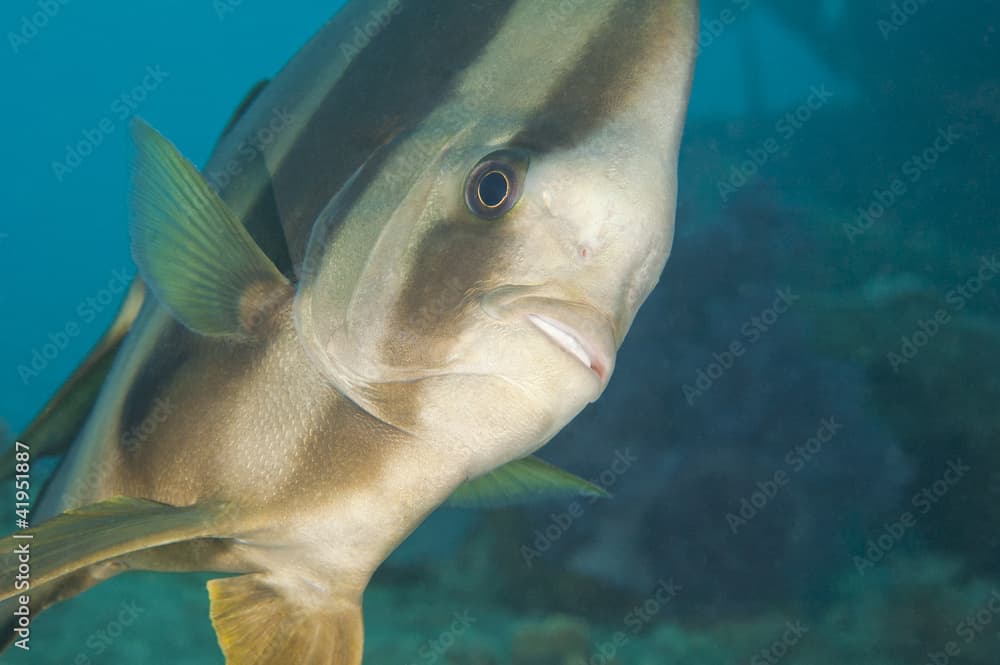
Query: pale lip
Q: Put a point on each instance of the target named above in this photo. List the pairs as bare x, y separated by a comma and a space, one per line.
572, 324
574, 343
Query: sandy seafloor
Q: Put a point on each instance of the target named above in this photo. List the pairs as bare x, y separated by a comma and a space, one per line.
145, 618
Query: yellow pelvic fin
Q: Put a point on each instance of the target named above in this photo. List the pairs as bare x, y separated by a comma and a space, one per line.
258, 623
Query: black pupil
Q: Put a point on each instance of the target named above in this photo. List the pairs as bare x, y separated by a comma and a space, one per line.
493, 189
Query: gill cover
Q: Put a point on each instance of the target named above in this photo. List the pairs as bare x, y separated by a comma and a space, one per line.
357, 262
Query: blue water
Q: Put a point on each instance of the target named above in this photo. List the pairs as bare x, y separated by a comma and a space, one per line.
809, 397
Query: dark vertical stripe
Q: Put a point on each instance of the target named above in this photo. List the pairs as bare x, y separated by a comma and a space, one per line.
243, 163
175, 341
603, 78
263, 220
389, 87
173, 349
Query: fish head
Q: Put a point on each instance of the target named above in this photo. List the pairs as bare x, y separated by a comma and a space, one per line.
476, 278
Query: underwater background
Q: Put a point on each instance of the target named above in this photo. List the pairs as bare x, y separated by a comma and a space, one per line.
802, 435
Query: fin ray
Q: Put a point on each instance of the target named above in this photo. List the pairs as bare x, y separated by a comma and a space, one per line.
259, 623
102, 531
193, 252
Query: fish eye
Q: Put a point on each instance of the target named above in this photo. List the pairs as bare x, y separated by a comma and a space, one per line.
495, 184
494, 189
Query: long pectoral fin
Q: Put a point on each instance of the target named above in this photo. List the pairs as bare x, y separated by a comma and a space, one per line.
100, 532
523, 481
193, 252
259, 623
52, 430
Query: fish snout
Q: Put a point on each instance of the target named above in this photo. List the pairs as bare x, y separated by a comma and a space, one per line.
574, 326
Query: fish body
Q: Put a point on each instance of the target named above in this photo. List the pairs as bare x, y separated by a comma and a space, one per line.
406, 267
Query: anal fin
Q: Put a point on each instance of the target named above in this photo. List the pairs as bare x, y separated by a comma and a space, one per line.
261, 623
100, 532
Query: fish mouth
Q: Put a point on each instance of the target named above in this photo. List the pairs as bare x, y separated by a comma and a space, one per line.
574, 326
574, 343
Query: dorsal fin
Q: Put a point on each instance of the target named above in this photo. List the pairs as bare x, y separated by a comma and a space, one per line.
247, 102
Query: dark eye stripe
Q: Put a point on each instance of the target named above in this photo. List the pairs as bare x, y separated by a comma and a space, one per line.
409, 89
603, 78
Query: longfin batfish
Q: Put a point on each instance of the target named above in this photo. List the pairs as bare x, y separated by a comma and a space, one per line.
417, 280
